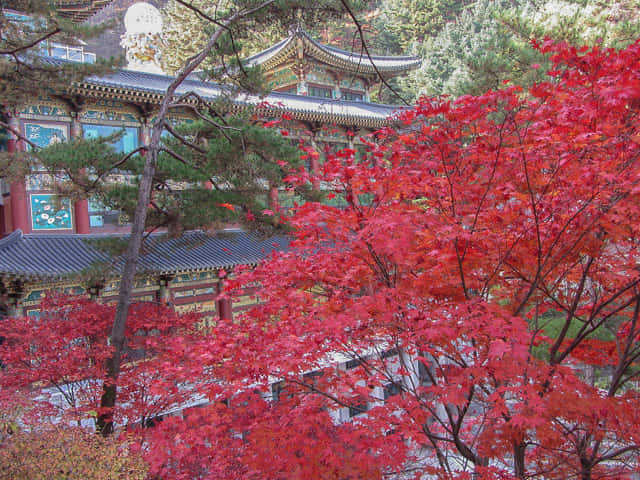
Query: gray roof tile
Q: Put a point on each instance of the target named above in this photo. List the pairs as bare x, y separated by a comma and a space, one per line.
52, 255
157, 85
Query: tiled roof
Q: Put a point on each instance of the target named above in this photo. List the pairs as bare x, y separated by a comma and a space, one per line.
55, 256
140, 86
358, 61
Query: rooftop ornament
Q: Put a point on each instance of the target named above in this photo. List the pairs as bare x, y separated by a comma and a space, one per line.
143, 39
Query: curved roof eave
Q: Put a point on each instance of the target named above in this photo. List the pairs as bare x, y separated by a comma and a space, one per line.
350, 61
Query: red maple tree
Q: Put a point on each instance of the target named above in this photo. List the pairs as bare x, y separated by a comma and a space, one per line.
469, 311
52, 363
482, 275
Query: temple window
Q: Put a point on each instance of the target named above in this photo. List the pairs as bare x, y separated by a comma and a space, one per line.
317, 91
125, 144
353, 96
100, 215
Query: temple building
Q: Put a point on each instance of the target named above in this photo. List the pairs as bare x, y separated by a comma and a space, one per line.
50, 242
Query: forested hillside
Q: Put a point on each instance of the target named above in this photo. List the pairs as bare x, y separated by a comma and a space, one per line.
488, 43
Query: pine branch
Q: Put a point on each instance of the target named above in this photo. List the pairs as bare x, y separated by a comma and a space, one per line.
32, 44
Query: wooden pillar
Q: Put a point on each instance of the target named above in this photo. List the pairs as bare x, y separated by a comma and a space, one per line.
223, 305
367, 91
4, 300
163, 294
225, 310
18, 190
315, 162
3, 220
81, 211
19, 212
16, 292
145, 131
337, 91
80, 207
350, 140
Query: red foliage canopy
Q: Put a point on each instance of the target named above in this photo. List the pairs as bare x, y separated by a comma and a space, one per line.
471, 308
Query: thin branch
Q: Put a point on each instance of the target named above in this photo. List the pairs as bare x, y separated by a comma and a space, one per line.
170, 129
178, 157
571, 313
366, 50
213, 20
118, 164
209, 107
18, 134
199, 12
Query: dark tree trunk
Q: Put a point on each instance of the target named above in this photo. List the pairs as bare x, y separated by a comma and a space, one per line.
519, 469
117, 338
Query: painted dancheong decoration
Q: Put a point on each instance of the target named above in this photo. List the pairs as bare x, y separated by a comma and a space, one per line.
44, 135
49, 212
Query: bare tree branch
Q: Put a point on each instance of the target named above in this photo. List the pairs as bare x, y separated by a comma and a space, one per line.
170, 129
18, 134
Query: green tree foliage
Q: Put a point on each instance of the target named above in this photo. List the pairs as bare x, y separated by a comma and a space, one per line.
27, 30
411, 21
489, 42
187, 30
471, 55
214, 170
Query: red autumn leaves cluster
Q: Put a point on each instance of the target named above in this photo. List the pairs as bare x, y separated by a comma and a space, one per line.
494, 240
471, 308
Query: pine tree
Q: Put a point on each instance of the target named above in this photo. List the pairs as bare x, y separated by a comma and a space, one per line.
414, 21
26, 72
489, 43
187, 32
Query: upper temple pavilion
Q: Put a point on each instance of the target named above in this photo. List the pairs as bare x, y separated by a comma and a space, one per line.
315, 85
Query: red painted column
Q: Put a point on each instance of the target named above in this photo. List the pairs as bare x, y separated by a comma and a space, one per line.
223, 304
80, 207
19, 212
315, 163
17, 190
81, 212
225, 309
3, 221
